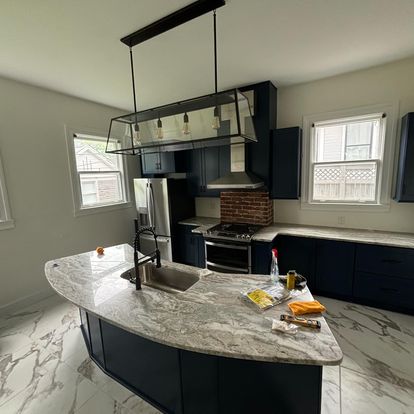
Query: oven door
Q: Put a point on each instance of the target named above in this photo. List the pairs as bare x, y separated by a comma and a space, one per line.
228, 257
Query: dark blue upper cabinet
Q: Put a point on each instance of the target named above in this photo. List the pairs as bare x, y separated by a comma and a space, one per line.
286, 162
259, 155
405, 177
207, 164
164, 162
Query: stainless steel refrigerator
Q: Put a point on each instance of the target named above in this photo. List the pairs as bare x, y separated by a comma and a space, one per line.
162, 203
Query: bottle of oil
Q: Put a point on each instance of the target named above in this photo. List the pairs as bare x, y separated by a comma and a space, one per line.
291, 279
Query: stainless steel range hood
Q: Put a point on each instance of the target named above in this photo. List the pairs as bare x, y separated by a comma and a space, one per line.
238, 178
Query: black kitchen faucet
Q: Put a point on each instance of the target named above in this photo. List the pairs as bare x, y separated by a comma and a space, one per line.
155, 255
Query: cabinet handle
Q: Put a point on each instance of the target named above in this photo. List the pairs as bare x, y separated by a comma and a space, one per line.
391, 261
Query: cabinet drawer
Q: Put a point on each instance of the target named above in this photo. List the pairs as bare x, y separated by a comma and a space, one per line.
384, 290
385, 260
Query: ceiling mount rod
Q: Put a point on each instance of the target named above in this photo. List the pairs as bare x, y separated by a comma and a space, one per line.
131, 60
215, 50
177, 18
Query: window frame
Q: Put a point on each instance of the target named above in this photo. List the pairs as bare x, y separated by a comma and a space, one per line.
78, 208
6, 221
384, 165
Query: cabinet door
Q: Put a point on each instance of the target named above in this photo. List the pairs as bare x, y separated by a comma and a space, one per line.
261, 258
297, 253
286, 153
405, 176
158, 163
148, 367
207, 164
201, 252
334, 267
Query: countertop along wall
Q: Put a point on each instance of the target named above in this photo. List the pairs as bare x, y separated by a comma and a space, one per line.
35, 161
391, 83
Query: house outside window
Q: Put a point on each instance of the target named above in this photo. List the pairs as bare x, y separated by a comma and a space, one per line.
347, 160
99, 179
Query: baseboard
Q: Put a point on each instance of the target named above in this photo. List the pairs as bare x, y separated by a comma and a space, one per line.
26, 301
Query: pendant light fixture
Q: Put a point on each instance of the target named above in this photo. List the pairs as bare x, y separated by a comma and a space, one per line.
186, 124
221, 118
160, 132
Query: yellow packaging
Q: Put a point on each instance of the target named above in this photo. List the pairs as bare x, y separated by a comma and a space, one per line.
261, 298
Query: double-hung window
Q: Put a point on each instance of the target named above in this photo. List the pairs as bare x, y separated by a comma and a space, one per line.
346, 160
99, 179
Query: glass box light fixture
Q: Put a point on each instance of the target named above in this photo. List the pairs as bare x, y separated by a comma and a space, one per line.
222, 118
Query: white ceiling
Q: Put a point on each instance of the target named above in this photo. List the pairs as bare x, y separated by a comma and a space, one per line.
73, 46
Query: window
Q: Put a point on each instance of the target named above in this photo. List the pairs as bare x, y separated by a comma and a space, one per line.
98, 178
348, 159
6, 221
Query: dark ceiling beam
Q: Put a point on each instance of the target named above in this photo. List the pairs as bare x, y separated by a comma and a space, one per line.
177, 18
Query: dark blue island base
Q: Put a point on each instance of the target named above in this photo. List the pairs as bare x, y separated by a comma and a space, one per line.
178, 381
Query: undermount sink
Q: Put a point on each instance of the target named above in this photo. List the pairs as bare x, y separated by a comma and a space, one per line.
163, 278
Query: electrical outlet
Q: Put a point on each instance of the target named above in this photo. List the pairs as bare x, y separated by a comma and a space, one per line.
341, 219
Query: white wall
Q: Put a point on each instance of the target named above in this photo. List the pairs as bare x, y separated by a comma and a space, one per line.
33, 149
391, 83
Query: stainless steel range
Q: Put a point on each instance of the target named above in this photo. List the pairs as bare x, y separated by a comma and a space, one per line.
228, 247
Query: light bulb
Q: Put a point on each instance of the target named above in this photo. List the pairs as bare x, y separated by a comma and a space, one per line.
160, 133
216, 120
186, 125
136, 138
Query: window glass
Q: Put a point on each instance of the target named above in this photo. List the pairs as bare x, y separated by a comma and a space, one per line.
344, 163
101, 176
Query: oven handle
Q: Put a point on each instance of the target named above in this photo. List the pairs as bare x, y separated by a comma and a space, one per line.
237, 269
227, 246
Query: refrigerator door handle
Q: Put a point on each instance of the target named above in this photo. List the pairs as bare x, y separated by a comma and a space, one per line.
152, 206
148, 202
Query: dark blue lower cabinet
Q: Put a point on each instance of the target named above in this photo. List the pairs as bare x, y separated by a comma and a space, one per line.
95, 339
150, 369
297, 253
176, 381
191, 251
261, 255
335, 267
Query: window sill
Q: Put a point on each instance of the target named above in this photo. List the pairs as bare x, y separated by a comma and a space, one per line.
85, 211
6, 224
345, 207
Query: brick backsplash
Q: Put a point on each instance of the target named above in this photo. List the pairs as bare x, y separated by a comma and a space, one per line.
253, 207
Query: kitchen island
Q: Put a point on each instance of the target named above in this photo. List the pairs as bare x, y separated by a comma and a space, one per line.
199, 351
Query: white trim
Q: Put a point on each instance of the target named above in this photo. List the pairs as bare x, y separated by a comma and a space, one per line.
6, 221
388, 141
78, 209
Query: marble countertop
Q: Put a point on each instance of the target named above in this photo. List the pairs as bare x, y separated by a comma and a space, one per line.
268, 233
202, 223
209, 317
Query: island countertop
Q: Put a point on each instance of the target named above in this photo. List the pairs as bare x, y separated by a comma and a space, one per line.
208, 318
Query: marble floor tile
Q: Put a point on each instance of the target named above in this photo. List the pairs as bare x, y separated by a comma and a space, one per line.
366, 395
62, 391
10, 342
128, 399
331, 392
82, 364
375, 342
102, 403
39, 319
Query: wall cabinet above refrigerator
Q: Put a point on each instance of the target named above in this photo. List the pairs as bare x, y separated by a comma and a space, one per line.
164, 163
